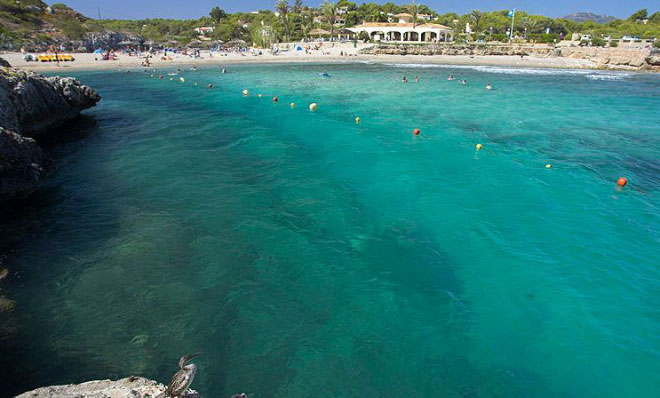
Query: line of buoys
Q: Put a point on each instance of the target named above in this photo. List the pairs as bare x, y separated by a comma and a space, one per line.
622, 182
548, 166
357, 120
313, 106
182, 80
275, 99
259, 95
293, 105
416, 132
246, 93
479, 146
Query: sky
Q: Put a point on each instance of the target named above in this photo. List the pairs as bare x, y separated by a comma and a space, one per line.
180, 9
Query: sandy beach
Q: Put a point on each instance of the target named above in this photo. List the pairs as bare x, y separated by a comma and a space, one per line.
86, 61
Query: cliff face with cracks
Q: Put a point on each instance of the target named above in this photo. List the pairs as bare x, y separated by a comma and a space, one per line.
30, 104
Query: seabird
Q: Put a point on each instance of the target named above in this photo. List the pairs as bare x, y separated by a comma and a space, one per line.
182, 380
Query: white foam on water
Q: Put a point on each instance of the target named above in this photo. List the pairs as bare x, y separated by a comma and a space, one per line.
590, 74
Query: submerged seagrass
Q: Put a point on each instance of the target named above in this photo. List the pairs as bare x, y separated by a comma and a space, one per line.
307, 255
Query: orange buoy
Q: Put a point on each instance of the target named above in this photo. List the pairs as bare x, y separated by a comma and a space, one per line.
416, 131
622, 182
275, 99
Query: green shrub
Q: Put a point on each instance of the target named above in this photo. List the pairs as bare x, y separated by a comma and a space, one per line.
614, 43
543, 38
656, 44
598, 42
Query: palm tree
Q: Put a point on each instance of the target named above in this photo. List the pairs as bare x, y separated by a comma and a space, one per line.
297, 6
528, 24
282, 6
476, 16
414, 10
330, 12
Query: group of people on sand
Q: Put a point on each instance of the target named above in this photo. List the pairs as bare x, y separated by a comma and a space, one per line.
450, 78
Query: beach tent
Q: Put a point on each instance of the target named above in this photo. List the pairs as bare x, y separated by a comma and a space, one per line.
298, 48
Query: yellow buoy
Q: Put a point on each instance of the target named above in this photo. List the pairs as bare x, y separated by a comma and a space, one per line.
182, 80
479, 146
293, 105
548, 166
313, 106
357, 120
246, 93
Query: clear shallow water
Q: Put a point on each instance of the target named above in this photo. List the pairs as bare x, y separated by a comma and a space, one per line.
305, 255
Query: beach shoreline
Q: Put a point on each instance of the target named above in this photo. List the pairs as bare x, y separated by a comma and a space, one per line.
89, 62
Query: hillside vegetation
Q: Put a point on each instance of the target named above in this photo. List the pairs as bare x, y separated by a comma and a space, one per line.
29, 22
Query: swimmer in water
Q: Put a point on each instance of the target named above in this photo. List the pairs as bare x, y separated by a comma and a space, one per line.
210, 86
451, 77
464, 82
416, 79
489, 87
405, 80
224, 71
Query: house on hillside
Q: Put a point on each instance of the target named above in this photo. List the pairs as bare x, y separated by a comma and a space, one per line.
205, 30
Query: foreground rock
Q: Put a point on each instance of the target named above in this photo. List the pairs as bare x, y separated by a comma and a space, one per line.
31, 103
23, 166
4, 63
131, 387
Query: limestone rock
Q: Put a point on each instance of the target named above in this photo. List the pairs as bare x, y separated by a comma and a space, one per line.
130, 387
23, 166
3, 62
31, 103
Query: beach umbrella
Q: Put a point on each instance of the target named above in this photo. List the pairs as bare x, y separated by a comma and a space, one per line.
319, 32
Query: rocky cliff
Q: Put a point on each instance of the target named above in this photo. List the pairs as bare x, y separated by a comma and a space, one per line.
611, 57
23, 166
130, 387
30, 104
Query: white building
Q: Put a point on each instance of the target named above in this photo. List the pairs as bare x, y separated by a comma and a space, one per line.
204, 30
405, 31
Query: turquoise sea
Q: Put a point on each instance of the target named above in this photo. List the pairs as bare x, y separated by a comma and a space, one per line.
305, 255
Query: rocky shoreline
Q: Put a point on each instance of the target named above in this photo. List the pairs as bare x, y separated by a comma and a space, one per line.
605, 58
130, 387
30, 105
